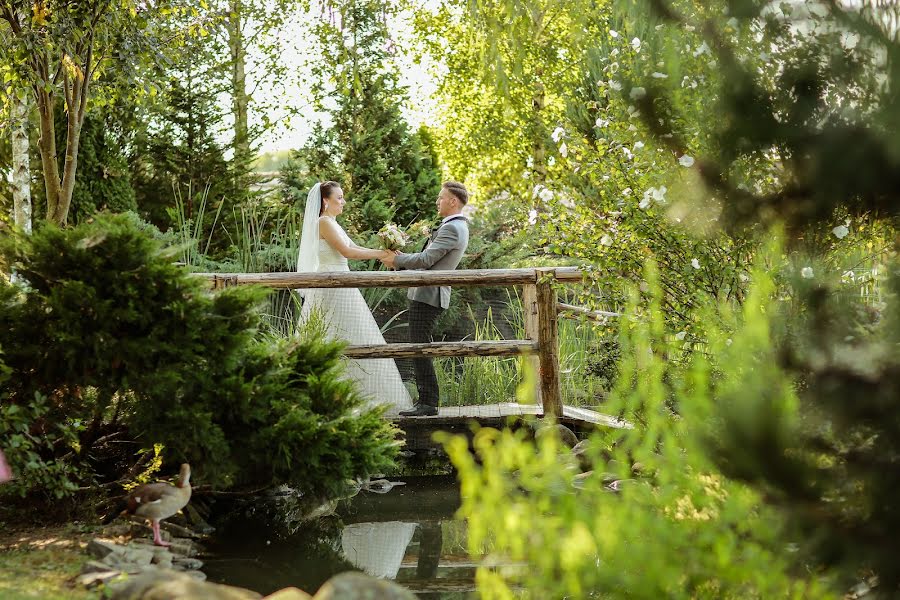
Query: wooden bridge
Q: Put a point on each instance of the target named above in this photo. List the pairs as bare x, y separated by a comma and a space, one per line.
541, 346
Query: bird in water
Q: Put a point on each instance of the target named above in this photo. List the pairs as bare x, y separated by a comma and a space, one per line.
158, 501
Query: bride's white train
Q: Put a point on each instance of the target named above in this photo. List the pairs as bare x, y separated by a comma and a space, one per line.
343, 311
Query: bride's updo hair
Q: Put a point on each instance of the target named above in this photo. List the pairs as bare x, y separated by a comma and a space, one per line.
327, 189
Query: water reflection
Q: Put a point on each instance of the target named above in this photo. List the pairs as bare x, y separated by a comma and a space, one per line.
407, 535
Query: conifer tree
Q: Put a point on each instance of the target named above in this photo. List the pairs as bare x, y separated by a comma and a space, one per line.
385, 168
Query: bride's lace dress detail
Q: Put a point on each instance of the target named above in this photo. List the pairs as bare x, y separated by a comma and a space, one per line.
347, 317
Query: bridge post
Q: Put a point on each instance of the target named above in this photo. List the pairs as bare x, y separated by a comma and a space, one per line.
548, 343
532, 332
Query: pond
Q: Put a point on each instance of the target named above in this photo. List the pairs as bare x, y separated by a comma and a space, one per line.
407, 534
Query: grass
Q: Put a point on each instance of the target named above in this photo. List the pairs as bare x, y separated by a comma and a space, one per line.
477, 380
41, 563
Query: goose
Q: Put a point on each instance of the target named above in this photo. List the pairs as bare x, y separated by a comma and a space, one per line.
158, 501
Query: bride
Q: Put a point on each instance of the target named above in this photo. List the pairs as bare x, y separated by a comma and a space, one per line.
325, 246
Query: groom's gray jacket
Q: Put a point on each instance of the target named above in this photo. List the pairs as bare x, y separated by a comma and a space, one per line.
443, 253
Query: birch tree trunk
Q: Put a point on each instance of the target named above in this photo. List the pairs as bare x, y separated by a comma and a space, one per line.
21, 168
240, 99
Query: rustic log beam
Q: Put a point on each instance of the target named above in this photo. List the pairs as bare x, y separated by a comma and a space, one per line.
388, 279
598, 315
548, 344
443, 349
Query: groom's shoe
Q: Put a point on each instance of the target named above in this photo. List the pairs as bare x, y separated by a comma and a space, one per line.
421, 410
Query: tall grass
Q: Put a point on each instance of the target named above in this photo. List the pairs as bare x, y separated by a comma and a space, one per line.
479, 380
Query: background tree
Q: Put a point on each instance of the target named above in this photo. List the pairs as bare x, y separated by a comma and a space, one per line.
368, 147
63, 48
509, 67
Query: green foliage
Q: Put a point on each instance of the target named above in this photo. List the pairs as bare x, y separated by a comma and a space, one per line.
176, 155
103, 179
678, 528
109, 335
390, 171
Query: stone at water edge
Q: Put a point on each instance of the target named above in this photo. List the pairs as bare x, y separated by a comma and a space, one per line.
171, 585
290, 593
359, 586
566, 435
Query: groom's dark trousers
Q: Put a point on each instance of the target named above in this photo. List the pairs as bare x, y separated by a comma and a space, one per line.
422, 318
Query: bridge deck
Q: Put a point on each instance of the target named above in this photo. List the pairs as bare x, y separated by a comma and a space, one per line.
458, 419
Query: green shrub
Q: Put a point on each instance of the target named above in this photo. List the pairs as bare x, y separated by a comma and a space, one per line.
104, 334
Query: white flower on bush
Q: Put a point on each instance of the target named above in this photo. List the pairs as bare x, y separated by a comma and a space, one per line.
636, 44
658, 75
806, 273
558, 134
637, 93
701, 49
744, 277
645, 203
532, 216
564, 150
601, 123
566, 201
695, 263
849, 40
614, 85
653, 194
638, 146
551, 161
613, 33
626, 192
686, 161
680, 335
606, 240
840, 232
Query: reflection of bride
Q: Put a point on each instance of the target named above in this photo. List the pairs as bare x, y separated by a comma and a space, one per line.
325, 246
377, 548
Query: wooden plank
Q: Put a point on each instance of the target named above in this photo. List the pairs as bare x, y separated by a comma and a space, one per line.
438, 349
548, 344
388, 279
532, 328
460, 414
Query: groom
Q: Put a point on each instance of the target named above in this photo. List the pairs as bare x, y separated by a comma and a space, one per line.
443, 252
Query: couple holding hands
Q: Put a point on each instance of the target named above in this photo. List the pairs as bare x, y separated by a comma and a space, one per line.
325, 246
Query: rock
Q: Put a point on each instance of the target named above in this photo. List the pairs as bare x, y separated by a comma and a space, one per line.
566, 435
184, 547
290, 593
198, 575
359, 586
93, 566
102, 548
95, 578
172, 585
578, 480
581, 452
180, 531
187, 564
163, 561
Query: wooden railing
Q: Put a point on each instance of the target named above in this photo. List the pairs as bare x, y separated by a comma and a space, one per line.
539, 301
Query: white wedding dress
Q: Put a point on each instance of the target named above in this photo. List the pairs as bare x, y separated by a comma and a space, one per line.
346, 317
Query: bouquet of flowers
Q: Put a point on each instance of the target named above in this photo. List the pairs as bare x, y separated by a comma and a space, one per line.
392, 237
420, 229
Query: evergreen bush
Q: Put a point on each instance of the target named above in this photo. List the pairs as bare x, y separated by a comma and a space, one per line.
104, 333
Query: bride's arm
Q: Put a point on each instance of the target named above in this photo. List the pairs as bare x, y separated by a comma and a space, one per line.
329, 232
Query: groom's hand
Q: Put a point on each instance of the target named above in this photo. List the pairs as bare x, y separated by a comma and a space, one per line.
388, 259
